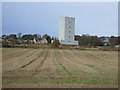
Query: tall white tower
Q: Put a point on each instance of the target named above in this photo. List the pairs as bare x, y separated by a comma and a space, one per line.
66, 31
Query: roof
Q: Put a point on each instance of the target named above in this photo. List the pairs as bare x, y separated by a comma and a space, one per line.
67, 17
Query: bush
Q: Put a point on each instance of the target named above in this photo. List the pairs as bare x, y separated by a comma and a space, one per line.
55, 44
8, 44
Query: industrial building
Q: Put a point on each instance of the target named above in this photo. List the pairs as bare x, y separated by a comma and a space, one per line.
67, 31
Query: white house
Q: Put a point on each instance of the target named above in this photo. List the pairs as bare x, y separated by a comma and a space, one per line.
43, 41
40, 41
67, 31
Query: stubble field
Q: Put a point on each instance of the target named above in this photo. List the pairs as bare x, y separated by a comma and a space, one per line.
45, 68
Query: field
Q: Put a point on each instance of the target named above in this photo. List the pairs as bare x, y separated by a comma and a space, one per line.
56, 68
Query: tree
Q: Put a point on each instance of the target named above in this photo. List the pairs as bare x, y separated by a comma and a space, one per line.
88, 40
77, 38
114, 41
36, 36
28, 37
47, 37
3, 36
19, 35
52, 38
95, 41
11, 36
119, 40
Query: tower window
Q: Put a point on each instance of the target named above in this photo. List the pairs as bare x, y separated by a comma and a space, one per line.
69, 31
69, 41
69, 36
69, 27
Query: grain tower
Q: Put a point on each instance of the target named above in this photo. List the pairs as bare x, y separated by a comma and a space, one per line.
67, 31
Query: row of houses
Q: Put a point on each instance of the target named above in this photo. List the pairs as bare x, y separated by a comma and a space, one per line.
105, 40
44, 41
19, 41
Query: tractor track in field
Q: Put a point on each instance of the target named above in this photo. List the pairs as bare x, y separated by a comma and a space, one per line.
42, 62
36, 69
61, 65
32, 60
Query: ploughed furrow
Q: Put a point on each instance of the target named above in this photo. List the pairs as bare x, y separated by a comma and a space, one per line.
15, 54
58, 57
99, 59
32, 61
46, 61
17, 62
107, 56
8, 51
55, 61
32, 64
20, 55
74, 63
79, 58
42, 61
64, 62
101, 56
50, 66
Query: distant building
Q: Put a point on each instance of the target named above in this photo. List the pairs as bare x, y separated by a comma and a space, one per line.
43, 41
40, 41
117, 46
67, 31
105, 40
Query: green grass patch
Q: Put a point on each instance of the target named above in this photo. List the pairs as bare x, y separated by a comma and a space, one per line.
58, 81
91, 66
69, 73
74, 74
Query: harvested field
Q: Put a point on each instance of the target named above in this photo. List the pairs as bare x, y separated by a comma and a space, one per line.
45, 68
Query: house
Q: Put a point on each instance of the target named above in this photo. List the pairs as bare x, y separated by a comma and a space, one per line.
43, 41
19, 41
117, 46
40, 41
27, 41
10, 40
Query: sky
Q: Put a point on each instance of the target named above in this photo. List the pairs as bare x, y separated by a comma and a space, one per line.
93, 18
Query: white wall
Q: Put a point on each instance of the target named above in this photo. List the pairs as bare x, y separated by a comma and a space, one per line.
66, 31
61, 29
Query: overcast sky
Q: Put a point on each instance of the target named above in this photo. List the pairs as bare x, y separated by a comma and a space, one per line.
92, 18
